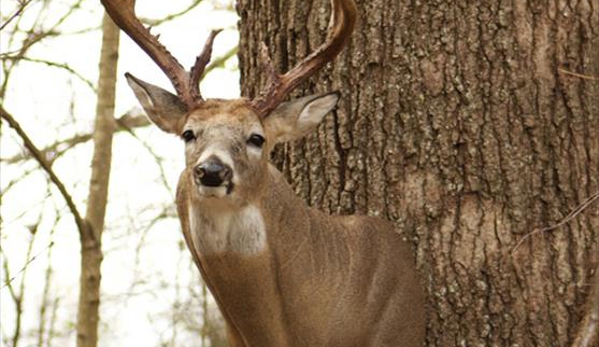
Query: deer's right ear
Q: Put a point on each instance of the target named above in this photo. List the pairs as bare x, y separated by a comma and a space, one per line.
164, 108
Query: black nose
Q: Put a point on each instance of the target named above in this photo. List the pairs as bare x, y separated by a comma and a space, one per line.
212, 173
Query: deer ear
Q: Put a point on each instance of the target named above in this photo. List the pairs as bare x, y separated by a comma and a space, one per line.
296, 118
162, 107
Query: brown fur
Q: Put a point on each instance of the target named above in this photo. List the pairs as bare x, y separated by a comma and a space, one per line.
313, 280
321, 280
283, 275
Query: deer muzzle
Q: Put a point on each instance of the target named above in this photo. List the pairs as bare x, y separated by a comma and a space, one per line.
212, 173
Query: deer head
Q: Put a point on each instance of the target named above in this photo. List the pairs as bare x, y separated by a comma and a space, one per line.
227, 142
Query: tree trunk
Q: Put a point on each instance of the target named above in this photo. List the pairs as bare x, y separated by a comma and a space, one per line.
469, 125
91, 242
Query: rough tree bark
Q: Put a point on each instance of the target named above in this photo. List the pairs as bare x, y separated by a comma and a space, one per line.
469, 125
91, 241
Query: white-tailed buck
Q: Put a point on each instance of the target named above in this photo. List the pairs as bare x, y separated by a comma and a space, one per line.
282, 273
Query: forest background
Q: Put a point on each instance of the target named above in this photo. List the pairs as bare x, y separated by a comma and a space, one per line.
473, 126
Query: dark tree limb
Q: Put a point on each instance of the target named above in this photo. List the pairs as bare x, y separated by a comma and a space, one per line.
127, 122
39, 157
15, 14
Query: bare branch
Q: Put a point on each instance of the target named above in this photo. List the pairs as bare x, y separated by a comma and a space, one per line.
127, 122
33, 36
9, 280
584, 77
79, 221
62, 66
576, 211
168, 18
15, 14
46, 292
220, 61
52, 328
14, 182
18, 297
163, 176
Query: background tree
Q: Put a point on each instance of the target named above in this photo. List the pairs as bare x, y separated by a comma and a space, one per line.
469, 125
88, 314
50, 57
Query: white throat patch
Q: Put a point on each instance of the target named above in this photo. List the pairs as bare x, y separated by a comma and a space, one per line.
241, 232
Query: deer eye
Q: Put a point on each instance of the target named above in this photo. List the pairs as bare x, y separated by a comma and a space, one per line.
256, 140
188, 136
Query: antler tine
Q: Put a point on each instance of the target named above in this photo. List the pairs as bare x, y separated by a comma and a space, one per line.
186, 84
197, 71
343, 19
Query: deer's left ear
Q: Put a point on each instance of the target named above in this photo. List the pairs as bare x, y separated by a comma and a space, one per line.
296, 118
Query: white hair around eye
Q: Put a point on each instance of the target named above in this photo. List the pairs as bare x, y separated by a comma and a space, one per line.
254, 151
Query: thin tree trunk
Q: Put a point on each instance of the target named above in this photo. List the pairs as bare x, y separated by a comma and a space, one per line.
52, 323
45, 302
91, 243
469, 125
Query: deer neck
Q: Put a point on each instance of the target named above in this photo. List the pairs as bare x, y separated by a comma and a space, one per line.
240, 231
243, 230
239, 254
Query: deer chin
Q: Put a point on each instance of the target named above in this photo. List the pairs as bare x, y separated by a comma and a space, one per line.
220, 192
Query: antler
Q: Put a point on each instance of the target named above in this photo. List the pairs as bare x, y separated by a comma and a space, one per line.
186, 84
343, 19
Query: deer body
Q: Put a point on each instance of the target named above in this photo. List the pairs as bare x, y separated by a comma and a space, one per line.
283, 274
316, 280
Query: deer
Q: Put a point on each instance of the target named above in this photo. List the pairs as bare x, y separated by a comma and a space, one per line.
282, 273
